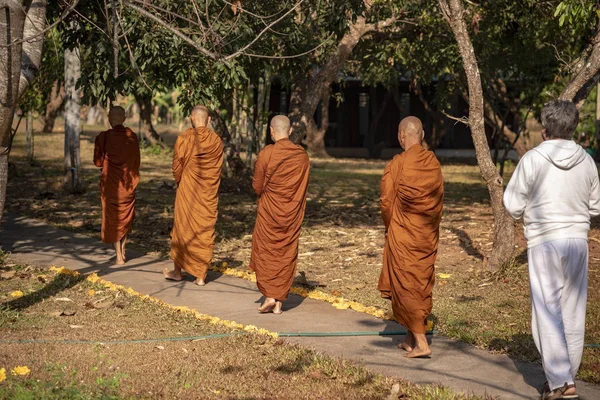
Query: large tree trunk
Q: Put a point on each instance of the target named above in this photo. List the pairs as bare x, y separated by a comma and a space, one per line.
308, 90
597, 155
146, 111
504, 228
586, 73
57, 98
72, 160
19, 62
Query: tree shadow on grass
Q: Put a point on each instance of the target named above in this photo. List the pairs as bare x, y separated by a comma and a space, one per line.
466, 243
60, 283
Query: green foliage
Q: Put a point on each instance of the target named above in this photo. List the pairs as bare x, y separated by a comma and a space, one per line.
51, 70
577, 12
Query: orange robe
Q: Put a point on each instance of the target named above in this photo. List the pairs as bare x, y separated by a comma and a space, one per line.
280, 181
197, 170
117, 152
412, 196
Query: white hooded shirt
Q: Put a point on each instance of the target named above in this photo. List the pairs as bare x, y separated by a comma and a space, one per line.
555, 189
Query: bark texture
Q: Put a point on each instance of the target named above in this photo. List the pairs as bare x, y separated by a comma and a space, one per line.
72, 160
504, 229
18, 19
586, 73
57, 99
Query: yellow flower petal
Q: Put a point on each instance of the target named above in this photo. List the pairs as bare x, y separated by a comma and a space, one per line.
444, 276
2, 374
20, 371
16, 294
91, 292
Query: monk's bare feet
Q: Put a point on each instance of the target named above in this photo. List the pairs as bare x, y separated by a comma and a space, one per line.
268, 305
277, 308
200, 282
405, 347
120, 261
409, 342
418, 353
172, 275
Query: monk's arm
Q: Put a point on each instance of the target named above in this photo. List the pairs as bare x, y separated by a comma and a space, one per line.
516, 195
177, 161
260, 168
388, 194
99, 150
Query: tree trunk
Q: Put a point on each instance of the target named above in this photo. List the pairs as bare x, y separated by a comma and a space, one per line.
308, 89
57, 98
146, 112
586, 73
72, 160
497, 121
315, 140
504, 228
597, 155
20, 62
29, 137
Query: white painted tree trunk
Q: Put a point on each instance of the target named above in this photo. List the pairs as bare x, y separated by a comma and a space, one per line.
72, 159
18, 64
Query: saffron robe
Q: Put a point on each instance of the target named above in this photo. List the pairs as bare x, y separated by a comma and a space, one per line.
412, 196
117, 152
197, 170
280, 180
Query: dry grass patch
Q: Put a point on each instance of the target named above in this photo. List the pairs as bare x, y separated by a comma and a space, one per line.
118, 361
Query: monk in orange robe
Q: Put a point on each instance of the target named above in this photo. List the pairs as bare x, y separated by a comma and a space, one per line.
412, 196
197, 170
117, 152
280, 181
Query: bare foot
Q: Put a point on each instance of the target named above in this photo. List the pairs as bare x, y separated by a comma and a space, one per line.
267, 306
120, 261
405, 346
171, 275
417, 352
200, 282
277, 309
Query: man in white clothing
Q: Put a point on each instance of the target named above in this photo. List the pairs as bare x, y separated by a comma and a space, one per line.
555, 189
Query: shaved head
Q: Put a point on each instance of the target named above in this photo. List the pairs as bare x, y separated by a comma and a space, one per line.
280, 127
410, 132
200, 116
116, 116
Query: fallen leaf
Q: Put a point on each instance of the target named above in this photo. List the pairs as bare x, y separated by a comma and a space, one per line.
444, 276
16, 294
318, 375
8, 274
55, 313
160, 347
76, 326
62, 299
336, 293
68, 313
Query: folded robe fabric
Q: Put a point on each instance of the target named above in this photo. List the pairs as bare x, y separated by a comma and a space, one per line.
280, 181
197, 170
117, 151
412, 196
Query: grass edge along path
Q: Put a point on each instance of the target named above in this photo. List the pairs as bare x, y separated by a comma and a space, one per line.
398, 390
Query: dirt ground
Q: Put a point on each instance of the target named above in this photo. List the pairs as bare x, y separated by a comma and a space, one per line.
341, 241
54, 306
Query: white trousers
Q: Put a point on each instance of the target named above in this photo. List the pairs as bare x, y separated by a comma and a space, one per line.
558, 274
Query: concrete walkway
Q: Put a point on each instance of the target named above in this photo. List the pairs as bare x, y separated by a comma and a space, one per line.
453, 364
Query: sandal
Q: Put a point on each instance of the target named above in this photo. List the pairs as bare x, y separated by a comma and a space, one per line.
558, 393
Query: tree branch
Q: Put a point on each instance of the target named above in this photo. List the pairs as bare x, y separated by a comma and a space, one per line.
173, 30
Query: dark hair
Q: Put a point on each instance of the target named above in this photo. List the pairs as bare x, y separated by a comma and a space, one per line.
560, 119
